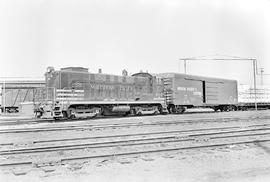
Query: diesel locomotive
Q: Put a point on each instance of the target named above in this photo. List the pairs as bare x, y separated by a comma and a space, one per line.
81, 94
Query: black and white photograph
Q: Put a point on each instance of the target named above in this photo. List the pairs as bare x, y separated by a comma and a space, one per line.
135, 91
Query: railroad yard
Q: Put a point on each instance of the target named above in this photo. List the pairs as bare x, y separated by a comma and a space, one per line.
134, 91
220, 146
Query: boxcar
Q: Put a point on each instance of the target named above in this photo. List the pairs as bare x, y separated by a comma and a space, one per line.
183, 91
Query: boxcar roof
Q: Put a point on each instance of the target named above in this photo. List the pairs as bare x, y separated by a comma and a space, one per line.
162, 75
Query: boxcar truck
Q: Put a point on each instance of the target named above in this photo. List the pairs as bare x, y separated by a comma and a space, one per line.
183, 91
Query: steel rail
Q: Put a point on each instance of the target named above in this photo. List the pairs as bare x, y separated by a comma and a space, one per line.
151, 133
124, 142
95, 145
87, 157
127, 135
92, 126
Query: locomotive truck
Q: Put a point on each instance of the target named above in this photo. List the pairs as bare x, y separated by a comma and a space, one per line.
80, 94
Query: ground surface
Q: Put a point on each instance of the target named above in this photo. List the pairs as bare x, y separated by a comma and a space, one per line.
247, 162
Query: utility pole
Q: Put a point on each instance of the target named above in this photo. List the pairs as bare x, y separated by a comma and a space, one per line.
4, 96
185, 65
262, 70
254, 77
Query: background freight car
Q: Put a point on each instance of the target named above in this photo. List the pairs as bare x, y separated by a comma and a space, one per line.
183, 91
14, 91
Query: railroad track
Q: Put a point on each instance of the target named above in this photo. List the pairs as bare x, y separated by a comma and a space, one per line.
61, 160
38, 120
142, 134
229, 129
122, 125
123, 142
9, 121
151, 143
238, 131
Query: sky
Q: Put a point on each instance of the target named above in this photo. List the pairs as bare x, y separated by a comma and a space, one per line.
147, 35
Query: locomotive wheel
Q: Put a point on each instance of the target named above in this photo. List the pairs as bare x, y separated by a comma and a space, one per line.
226, 108
71, 113
222, 109
231, 108
172, 109
72, 116
65, 115
132, 112
125, 114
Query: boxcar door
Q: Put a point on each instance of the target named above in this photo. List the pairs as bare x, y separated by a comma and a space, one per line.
212, 90
188, 92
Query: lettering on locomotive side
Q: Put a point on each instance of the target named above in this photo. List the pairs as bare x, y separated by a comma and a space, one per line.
111, 87
100, 86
